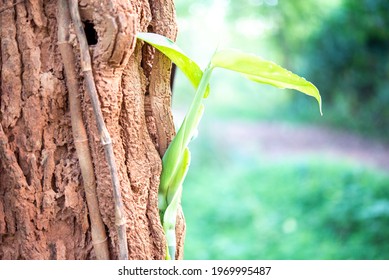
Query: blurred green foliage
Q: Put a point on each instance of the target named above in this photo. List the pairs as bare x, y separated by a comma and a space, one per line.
240, 206
243, 206
342, 46
348, 59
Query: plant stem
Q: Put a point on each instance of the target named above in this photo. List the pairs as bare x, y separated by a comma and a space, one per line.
191, 121
169, 193
86, 67
99, 236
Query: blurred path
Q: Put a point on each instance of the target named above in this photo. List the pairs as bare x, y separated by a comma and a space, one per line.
279, 140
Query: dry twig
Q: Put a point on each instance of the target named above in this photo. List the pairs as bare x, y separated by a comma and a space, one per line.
99, 236
86, 67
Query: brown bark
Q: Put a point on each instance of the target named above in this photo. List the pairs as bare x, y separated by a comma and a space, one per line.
43, 211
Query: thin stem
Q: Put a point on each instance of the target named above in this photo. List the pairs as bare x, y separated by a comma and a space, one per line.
189, 124
99, 237
86, 67
172, 159
170, 189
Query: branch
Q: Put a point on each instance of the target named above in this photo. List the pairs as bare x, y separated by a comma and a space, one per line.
99, 236
86, 67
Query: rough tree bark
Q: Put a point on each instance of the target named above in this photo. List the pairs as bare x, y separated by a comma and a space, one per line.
43, 213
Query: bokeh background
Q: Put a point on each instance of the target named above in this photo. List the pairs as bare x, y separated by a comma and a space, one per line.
270, 178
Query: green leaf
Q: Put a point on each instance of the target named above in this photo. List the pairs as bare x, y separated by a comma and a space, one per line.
180, 175
169, 223
166, 46
263, 71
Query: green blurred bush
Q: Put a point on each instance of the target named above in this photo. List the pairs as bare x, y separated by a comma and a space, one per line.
342, 46
240, 206
348, 60
311, 208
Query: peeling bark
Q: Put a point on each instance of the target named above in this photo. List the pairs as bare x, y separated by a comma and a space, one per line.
43, 213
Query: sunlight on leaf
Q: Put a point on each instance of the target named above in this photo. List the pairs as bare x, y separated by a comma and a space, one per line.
190, 68
263, 71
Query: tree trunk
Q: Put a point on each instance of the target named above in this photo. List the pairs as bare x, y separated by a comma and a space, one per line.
43, 210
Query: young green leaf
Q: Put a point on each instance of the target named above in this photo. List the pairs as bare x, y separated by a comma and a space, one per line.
263, 71
166, 46
168, 217
169, 224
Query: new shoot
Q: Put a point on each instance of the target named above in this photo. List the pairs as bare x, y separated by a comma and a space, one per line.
176, 160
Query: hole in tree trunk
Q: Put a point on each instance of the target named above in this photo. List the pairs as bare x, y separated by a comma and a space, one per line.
90, 33
172, 76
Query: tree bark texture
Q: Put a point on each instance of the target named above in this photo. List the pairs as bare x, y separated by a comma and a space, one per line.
43, 213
